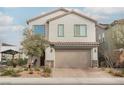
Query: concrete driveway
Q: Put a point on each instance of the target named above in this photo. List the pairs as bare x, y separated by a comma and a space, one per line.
86, 73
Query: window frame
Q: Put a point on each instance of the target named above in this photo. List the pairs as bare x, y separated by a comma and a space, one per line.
58, 30
39, 33
85, 30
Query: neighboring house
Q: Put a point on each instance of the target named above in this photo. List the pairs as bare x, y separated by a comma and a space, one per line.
113, 32
72, 38
100, 36
22, 55
4, 47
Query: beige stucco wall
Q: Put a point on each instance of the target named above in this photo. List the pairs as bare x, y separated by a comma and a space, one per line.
69, 21
42, 21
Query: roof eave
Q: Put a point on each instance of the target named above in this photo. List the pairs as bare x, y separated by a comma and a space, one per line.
35, 18
74, 13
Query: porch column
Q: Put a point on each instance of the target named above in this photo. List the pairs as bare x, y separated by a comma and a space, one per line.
94, 57
50, 57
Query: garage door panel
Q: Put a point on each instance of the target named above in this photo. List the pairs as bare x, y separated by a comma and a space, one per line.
72, 58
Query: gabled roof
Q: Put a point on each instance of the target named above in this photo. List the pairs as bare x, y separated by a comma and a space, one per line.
72, 12
103, 26
5, 44
48, 13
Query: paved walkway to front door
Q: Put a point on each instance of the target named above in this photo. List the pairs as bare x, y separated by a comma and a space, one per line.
86, 73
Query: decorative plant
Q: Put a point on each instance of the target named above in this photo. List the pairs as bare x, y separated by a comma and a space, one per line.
47, 71
36, 68
30, 71
10, 72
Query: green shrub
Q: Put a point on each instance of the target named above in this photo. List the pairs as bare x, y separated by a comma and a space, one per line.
22, 62
9, 63
6, 72
117, 73
2, 69
12, 63
47, 70
9, 72
19, 70
26, 69
36, 68
109, 70
15, 74
31, 71
122, 71
114, 72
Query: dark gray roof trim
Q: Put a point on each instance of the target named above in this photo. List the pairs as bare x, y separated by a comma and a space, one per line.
5, 44
75, 44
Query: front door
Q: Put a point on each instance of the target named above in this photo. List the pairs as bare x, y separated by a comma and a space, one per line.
42, 60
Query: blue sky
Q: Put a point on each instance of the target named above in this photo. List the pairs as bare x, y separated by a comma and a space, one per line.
13, 20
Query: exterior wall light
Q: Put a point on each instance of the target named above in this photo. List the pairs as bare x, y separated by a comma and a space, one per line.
94, 50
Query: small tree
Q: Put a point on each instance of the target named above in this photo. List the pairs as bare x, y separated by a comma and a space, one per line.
33, 44
118, 37
118, 41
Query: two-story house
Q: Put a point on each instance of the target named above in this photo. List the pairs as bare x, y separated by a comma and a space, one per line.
72, 37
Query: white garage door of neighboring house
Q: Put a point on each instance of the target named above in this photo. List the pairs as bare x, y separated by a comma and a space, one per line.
72, 59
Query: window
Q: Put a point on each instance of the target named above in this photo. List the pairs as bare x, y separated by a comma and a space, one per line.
80, 30
99, 37
103, 37
39, 29
61, 30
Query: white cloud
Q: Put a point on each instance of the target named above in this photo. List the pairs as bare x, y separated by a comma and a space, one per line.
101, 13
9, 31
5, 20
17, 28
93, 15
12, 28
97, 16
7, 23
104, 10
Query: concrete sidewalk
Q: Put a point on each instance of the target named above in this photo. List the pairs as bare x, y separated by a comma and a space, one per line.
47, 81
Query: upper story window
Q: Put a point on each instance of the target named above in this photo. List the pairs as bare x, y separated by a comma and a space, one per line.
103, 37
99, 37
80, 30
60, 30
39, 29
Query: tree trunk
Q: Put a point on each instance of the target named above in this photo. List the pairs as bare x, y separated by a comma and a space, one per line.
13, 61
42, 58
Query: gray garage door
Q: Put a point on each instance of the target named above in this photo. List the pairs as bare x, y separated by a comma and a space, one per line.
72, 59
